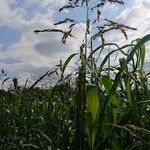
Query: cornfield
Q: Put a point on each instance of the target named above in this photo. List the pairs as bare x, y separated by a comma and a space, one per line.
99, 106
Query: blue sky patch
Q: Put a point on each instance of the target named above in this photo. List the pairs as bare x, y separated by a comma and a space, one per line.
9, 60
8, 36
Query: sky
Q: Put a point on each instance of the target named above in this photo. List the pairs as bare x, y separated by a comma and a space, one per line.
26, 55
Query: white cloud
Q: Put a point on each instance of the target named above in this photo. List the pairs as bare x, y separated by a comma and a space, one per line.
8, 16
54, 3
35, 53
3, 55
146, 3
1, 45
137, 16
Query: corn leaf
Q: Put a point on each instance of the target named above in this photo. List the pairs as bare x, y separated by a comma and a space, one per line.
67, 62
135, 48
93, 104
93, 109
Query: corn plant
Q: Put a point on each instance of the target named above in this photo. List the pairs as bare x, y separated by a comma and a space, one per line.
102, 100
94, 111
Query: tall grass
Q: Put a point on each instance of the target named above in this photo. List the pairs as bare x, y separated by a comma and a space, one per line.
94, 111
116, 110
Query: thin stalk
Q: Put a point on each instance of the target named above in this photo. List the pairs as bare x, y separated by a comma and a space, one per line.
109, 64
79, 111
81, 96
92, 61
84, 66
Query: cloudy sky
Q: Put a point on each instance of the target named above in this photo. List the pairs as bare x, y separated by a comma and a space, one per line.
24, 54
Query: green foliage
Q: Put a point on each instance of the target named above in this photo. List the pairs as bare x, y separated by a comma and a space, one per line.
116, 110
93, 109
107, 113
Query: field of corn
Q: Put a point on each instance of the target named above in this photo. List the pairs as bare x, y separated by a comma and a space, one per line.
98, 107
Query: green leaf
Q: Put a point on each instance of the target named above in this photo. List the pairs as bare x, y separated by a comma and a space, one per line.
109, 54
114, 105
93, 104
43, 135
121, 61
96, 35
115, 143
93, 109
110, 44
137, 46
127, 114
128, 89
67, 61
142, 54
106, 44
107, 82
